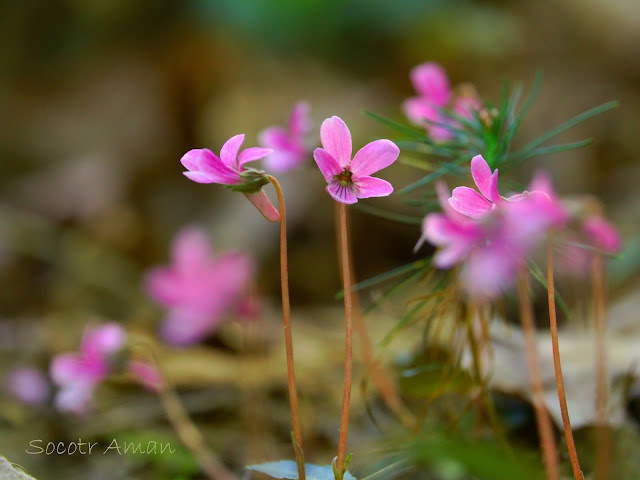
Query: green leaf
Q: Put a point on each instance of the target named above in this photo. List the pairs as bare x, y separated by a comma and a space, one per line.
287, 469
521, 156
400, 127
370, 282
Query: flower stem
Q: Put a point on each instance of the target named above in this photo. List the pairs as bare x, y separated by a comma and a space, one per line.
553, 326
186, 430
348, 323
379, 375
545, 429
286, 317
603, 436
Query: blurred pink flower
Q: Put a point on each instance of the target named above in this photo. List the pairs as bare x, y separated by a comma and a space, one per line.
77, 374
198, 288
602, 234
203, 166
29, 385
146, 374
288, 145
350, 179
434, 95
490, 235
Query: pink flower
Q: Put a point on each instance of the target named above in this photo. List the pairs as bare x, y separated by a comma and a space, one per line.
288, 145
29, 385
77, 374
146, 374
602, 234
198, 289
489, 235
350, 179
206, 167
434, 95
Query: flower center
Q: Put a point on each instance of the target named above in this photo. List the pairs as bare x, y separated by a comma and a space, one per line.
344, 177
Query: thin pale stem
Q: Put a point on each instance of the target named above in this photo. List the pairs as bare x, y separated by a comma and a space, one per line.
380, 377
187, 431
286, 317
603, 438
348, 327
543, 421
553, 326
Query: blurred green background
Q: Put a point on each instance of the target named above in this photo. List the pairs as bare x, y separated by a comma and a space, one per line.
101, 98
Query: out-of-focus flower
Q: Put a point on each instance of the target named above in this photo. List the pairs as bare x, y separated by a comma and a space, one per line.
78, 374
349, 179
203, 166
602, 234
490, 235
288, 145
198, 288
428, 109
146, 374
28, 385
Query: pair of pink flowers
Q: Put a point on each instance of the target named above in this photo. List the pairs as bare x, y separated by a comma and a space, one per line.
435, 96
199, 289
492, 236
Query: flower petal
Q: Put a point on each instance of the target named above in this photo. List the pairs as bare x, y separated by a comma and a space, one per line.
75, 398
602, 234
103, 340
373, 157
430, 80
419, 110
274, 137
494, 194
327, 164
281, 161
468, 202
205, 167
163, 286
252, 154
64, 368
366, 187
481, 173
342, 193
191, 251
261, 201
185, 327
199, 177
229, 151
336, 139
300, 123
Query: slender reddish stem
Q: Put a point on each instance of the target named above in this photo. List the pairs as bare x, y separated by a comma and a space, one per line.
603, 438
545, 430
553, 326
286, 317
348, 324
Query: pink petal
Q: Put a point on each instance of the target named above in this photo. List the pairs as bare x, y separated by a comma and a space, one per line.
186, 327
163, 286
340, 193
75, 398
326, 163
373, 157
229, 151
430, 80
205, 167
281, 161
29, 385
419, 109
191, 250
494, 194
274, 137
468, 202
252, 154
366, 187
465, 106
64, 368
262, 202
146, 374
602, 234
481, 173
300, 123
103, 340
488, 272
440, 230
336, 139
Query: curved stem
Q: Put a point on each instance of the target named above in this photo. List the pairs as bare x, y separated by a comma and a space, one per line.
186, 430
553, 326
286, 318
603, 439
545, 429
348, 323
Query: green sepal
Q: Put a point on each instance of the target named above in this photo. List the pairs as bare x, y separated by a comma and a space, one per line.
252, 181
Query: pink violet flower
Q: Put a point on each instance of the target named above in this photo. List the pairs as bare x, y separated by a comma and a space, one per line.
434, 95
288, 145
602, 234
29, 385
198, 288
348, 180
203, 166
78, 374
146, 374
